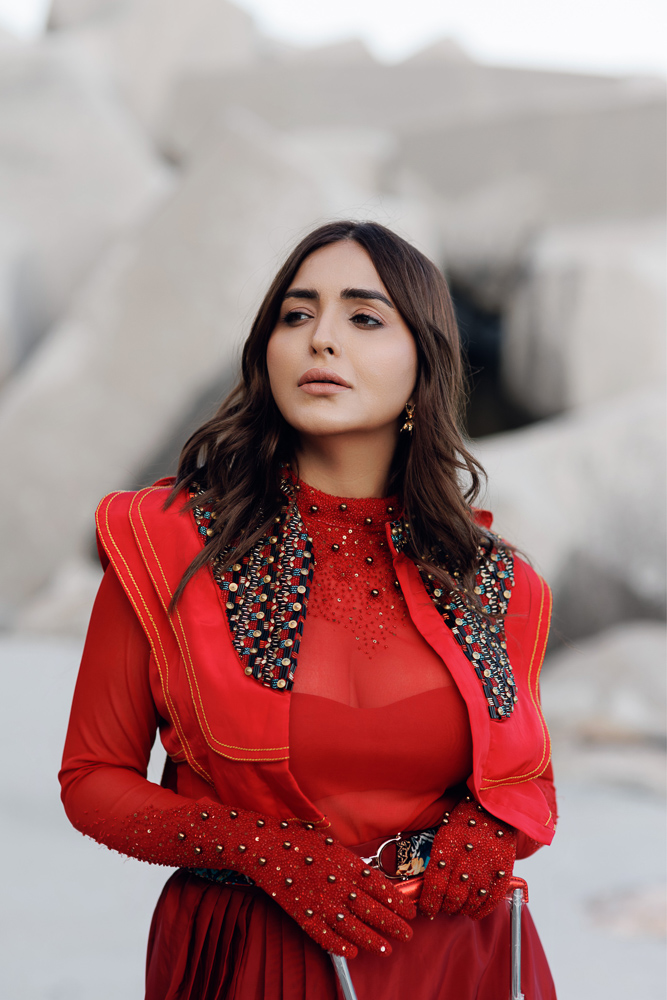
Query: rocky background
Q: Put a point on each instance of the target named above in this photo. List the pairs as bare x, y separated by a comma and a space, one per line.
156, 160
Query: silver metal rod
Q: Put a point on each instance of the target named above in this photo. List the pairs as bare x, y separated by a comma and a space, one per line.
516, 906
344, 977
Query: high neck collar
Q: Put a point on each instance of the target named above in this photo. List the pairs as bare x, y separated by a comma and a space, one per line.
367, 513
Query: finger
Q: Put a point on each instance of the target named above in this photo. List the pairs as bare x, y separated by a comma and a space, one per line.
457, 894
357, 933
431, 899
384, 892
374, 915
328, 939
488, 906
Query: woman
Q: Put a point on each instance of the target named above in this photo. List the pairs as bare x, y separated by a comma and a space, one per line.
335, 649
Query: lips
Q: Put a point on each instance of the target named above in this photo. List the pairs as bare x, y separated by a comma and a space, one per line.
323, 375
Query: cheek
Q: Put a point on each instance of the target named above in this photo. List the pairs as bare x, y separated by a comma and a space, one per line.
394, 371
278, 361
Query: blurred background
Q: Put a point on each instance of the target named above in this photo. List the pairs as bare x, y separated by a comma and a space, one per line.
157, 159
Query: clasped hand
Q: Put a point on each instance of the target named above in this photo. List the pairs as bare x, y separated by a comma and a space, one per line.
470, 865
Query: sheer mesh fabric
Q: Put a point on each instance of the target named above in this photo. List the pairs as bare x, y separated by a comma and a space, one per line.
360, 646
378, 731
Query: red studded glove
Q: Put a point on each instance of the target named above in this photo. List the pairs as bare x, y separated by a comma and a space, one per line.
332, 895
471, 863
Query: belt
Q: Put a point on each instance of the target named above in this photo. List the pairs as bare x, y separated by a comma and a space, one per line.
403, 858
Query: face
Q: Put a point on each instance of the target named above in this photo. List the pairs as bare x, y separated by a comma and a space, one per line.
340, 359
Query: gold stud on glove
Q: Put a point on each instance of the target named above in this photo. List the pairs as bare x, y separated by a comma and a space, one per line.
326, 888
470, 865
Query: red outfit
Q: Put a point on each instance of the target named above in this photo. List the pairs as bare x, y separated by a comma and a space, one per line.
375, 738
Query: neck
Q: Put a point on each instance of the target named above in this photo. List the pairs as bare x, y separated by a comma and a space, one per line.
350, 465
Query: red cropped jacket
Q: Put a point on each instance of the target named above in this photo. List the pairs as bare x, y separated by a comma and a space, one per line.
233, 732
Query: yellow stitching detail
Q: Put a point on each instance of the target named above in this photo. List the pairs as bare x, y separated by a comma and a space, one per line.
542, 766
165, 687
228, 746
250, 760
174, 717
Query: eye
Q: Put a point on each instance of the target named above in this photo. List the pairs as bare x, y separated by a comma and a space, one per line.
295, 316
364, 319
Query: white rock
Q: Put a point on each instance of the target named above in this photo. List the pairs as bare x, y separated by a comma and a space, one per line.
598, 154
610, 687
420, 99
151, 44
584, 496
70, 13
158, 322
587, 319
604, 701
445, 49
75, 172
349, 164
348, 52
484, 235
63, 607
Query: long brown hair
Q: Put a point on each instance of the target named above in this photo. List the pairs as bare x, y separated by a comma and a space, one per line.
236, 456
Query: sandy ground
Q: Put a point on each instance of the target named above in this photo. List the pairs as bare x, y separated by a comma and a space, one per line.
75, 916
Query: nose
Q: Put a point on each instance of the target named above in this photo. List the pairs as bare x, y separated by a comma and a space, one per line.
324, 340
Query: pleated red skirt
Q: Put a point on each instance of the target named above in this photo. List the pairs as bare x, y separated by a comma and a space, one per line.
213, 942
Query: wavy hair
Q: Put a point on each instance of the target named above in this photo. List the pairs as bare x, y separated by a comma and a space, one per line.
236, 456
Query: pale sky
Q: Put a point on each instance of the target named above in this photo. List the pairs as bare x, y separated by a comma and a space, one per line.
624, 36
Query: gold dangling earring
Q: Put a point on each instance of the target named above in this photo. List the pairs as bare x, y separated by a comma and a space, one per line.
410, 411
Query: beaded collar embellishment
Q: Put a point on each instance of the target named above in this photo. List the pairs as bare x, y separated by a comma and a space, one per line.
266, 602
481, 638
267, 598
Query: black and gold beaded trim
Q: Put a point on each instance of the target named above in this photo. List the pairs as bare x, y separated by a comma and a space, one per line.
267, 598
480, 636
266, 601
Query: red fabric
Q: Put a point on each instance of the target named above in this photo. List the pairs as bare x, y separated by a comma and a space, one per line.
212, 713
376, 771
208, 942
120, 699
373, 745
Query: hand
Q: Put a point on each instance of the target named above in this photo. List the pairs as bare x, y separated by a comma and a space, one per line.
471, 863
328, 890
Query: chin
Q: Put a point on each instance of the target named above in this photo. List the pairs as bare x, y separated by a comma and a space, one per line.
325, 428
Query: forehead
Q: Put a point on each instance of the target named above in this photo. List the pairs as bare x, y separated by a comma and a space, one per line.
337, 266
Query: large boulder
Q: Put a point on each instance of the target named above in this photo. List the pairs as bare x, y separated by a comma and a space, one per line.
416, 98
157, 324
583, 495
505, 152
75, 172
147, 46
160, 41
597, 155
70, 13
604, 701
587, 317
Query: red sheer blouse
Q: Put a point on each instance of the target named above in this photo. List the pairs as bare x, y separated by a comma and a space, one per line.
378, 730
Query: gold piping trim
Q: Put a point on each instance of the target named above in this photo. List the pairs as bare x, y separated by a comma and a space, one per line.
198, 700
542, 766
172, 711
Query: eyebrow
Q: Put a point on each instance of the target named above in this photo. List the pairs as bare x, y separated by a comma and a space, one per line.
347, 293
